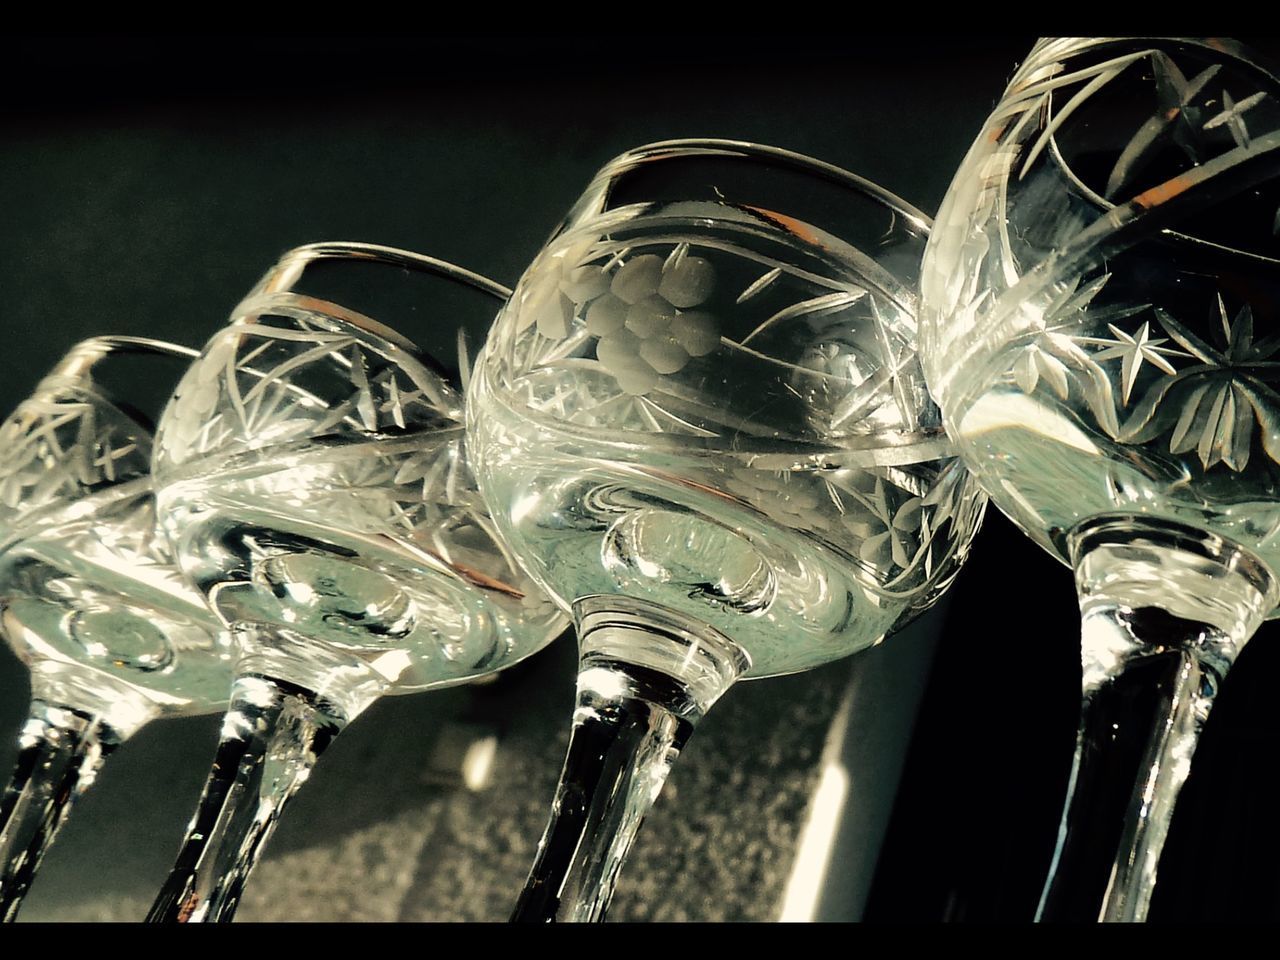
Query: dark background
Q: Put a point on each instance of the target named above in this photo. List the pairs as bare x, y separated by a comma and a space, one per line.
147, 181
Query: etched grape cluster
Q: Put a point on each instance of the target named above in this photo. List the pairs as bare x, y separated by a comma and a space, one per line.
644, 313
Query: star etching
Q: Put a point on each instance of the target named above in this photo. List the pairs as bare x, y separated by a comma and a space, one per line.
399, 401
1174, 118
108, 455
1232, 116
1134, 349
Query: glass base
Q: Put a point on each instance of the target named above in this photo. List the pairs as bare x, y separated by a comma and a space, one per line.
625, 630
1142, 562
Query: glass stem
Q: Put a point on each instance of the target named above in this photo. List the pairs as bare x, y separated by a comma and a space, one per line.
272, 735
1165, 611
60, 751
645, 677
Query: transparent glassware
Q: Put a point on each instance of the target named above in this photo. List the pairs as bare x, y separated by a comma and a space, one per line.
1099, 307
312, 476
90, 598
701, 425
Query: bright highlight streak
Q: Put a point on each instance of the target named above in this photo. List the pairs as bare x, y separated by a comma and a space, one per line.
606, 684
478, 763
804, 887
1016, 411
392, 663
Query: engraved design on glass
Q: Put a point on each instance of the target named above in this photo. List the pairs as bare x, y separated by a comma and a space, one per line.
312, 476
1098, 325
701, 425
90, 598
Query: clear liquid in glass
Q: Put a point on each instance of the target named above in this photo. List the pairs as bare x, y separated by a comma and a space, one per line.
315, 484
678, 412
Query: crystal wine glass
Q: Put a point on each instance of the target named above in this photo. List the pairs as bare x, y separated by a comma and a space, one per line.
323, 505
90, 598
1100, 304
701, 425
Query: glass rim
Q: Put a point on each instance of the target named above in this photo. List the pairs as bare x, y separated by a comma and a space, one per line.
1154, 213
76, 371
84, 355
276, 285
689, 148
360, 251
1063, 46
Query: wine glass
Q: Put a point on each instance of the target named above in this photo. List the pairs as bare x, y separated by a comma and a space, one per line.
312, 477
1099, 302
90, 598
701, 426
